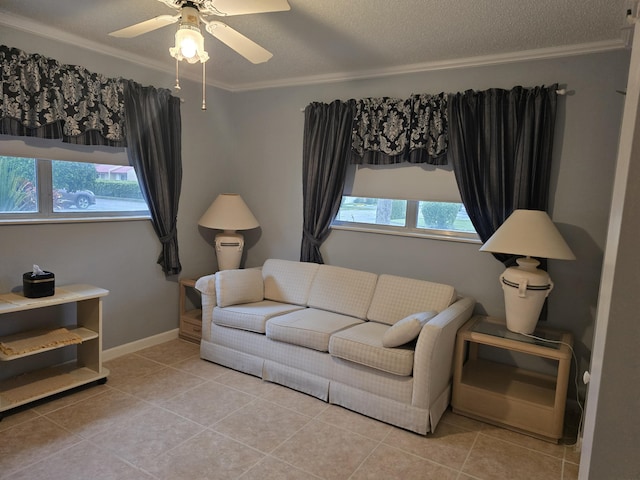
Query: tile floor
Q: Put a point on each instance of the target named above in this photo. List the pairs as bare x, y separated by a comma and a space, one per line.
166, 414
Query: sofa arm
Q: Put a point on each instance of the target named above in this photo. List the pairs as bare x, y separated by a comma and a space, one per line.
433, 359
207, 287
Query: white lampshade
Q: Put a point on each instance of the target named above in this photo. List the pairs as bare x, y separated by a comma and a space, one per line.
529, 233
228, 212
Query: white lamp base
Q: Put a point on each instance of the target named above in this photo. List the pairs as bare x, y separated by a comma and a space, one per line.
229, 245
525, 289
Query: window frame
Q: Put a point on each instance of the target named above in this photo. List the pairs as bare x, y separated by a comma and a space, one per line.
46, 213
410, 229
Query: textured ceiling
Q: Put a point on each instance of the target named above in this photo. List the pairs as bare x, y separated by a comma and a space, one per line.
333, 39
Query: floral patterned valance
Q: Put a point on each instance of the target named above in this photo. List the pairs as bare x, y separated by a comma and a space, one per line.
390, 130
43, 98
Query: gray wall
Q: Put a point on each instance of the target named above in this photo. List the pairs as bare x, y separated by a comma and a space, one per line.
121, 256
251, 143
267, 171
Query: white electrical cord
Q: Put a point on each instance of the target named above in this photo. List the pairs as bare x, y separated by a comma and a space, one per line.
575, 361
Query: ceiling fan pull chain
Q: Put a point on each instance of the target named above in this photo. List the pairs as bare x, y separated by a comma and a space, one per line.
204, 74
177, 85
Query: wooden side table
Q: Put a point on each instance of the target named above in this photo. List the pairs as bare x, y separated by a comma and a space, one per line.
190, 319
513, 397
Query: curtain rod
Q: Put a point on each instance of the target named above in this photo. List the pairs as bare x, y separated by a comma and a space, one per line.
560, 91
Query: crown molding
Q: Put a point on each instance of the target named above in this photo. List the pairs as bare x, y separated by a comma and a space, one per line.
35, 28
479, 61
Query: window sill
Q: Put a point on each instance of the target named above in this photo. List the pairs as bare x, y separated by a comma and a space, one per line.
37, 221
431, 235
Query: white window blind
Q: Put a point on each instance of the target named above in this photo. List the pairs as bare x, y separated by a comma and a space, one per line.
402, 181
53, 149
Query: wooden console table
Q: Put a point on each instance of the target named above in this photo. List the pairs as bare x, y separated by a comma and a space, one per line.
86, 368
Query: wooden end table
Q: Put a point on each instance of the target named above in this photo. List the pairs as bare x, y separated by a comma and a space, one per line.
514, 397
190, 319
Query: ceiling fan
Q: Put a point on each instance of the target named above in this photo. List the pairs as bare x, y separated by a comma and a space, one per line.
189, 41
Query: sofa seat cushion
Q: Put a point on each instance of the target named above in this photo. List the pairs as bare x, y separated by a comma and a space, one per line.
363, 344
309, 328
251, 316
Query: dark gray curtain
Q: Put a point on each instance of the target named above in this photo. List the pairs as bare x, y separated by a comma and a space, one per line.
153, 125
500, 147
325, 156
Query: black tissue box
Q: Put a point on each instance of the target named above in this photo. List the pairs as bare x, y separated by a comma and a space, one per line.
36, 286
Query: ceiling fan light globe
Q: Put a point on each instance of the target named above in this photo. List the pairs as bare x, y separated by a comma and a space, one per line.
188, 48
189, 45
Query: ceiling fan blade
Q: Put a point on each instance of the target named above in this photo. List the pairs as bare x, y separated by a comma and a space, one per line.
238, 42
242, 7
146, 26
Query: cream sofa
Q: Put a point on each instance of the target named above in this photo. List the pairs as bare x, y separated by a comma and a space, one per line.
322, 330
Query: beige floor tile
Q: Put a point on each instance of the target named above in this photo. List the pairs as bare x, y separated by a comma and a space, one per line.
208, 403
570, 471
69, 398
326, 451
354, 422
201, 368
448, 446
494, 459
262, 425
147, 435
297, 401
161, 385
208, 455
271, 468
463, 422
98, 413
14, 418
128, 367
171, 352
571, 454
245, 383
80, 462
105, 432
31, 441
389, 462
525, 441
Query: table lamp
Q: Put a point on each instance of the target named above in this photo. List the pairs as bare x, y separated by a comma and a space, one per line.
530, 233
229, 213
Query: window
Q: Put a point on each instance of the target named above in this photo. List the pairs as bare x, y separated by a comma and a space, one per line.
38, 189
404, 199
442, 220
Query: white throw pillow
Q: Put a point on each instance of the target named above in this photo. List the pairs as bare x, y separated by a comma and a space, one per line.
234, 287
407, 329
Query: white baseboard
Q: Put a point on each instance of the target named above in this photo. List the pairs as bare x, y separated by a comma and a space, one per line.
132, 347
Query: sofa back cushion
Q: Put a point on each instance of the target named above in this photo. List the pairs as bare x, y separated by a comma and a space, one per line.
234, 287
342, 290
288, 281
396, 297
